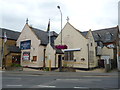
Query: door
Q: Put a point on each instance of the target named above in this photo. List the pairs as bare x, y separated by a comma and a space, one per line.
59, 61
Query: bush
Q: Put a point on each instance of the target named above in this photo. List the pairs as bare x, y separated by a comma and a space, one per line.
16, 65
65, 65
46, 69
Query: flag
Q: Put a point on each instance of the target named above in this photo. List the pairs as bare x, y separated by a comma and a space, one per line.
48, 29
5, 37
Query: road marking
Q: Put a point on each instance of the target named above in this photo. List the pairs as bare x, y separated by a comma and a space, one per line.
2, 71
79, 79
44, 86
69, 79
82, 87
32, 75
11, 78
14, 85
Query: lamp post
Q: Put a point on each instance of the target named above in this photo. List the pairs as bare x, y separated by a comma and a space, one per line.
60, 68
61, 22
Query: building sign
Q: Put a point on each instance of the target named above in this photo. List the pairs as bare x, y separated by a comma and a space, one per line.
25, 44
110, 46
61, 46
26, 56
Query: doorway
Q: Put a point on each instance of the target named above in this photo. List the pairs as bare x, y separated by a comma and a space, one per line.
59, 61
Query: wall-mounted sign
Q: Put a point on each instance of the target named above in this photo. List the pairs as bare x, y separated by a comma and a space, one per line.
26, 56
110, 46
71, 50
61, 46
25, 44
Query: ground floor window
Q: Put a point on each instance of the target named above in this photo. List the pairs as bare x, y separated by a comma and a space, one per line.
69, 56
16, 59
34, 58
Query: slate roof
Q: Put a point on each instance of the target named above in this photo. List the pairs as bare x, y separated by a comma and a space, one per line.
84, 33
43, 35
14, 49
12, 35
53, 33
105, 35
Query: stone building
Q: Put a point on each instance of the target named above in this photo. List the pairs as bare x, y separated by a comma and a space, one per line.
89, 49
9, 53
32, 43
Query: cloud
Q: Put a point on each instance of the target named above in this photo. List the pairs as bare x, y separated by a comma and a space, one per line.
83, 14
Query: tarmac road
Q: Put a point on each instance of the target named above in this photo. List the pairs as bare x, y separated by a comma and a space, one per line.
40, 79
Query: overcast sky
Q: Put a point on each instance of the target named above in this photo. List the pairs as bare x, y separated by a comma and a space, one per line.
83, 14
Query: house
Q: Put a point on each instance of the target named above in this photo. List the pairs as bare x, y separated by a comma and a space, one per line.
90, 48
9, 53
80, 52
33, 43
110, 39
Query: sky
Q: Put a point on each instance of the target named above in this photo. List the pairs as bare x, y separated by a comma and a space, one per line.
83, 14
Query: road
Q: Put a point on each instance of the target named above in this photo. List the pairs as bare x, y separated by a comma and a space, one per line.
39, 79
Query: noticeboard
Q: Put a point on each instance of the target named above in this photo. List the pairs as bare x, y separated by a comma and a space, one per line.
25, 44
26, 56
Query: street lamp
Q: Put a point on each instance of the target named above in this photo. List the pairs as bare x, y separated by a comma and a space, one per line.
61, 22
60, 68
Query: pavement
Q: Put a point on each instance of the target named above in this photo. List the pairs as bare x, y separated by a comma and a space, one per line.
99, 70
95, 72
0, 68
29, 69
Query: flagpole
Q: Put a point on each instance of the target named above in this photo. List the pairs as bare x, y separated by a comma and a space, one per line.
3, 49
49, 47
49, 32
3, 62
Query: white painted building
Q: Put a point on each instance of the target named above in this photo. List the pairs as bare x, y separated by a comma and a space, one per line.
32, 43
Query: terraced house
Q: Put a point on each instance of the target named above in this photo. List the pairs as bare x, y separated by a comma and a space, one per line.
9, 53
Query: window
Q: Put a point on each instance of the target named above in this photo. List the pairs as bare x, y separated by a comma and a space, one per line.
91, 44
68, 56
34, 58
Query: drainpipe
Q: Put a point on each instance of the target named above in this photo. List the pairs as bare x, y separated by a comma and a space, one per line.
44, 59
88, 56
55, 60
